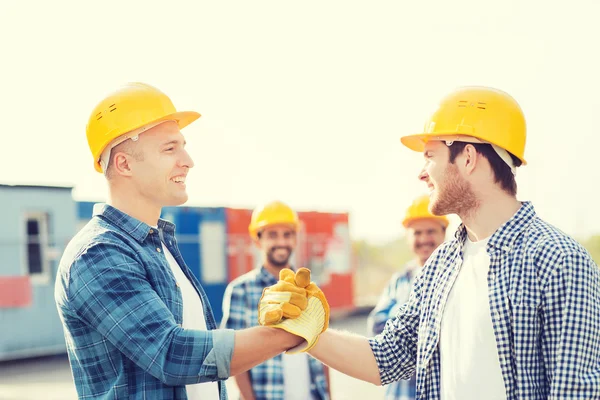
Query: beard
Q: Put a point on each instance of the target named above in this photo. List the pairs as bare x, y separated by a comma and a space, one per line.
454, 196
279, 262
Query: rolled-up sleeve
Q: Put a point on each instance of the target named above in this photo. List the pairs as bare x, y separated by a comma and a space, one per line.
108, 290
218, 361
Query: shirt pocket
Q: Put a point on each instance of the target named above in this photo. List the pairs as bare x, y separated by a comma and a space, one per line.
526, 329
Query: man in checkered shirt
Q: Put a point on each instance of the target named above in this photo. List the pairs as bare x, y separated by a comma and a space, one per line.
273, 228
507, 309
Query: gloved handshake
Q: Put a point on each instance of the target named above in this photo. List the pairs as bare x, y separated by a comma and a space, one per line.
296, 305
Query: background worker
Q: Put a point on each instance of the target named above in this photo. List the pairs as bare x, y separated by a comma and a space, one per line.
273, 229
424, 233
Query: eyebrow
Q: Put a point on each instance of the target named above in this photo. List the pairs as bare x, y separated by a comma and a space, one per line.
174, 141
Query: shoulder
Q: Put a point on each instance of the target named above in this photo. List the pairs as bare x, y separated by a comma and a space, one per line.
543, 240
95, 244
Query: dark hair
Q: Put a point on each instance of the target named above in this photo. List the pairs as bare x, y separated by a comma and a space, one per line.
502, 173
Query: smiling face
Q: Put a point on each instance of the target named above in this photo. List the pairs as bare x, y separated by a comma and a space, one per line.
424, 236
277, 242
157, 166
449, 191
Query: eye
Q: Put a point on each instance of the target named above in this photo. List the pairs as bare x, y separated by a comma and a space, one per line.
170, 148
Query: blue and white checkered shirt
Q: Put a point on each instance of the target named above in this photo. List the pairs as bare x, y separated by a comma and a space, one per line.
240, 311
391, 300
122, 314
544, 291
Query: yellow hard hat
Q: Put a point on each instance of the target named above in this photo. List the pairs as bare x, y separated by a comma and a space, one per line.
483, 113
128, 109
419, 209
273, 213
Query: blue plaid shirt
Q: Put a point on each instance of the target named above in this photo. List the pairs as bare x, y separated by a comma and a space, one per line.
121, 311
392, 298
240, 311
545, 305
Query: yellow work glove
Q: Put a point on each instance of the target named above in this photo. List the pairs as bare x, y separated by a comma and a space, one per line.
314, 318
284, 299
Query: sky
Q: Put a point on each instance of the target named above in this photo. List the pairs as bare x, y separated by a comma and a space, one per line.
306, 101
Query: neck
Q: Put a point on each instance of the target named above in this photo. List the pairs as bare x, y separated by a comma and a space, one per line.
492, 211
134, 205
273, 270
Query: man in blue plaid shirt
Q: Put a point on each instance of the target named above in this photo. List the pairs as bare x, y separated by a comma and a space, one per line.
137, 323
507, 309
424, 233
273, 228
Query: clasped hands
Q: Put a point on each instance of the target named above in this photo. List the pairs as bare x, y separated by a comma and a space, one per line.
296, 305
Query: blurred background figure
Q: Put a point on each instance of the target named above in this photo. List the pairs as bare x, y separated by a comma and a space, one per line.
273, 228
424, 233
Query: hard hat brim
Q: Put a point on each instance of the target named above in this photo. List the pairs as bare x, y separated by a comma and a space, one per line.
414, 142
253, 230
417, 142
182, 118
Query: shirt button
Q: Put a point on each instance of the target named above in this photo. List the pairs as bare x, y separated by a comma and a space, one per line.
493, 277
177, 284
151, 231
497, 316
158, 249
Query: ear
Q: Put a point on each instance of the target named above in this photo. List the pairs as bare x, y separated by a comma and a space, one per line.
470, 158
122, 164
257, 243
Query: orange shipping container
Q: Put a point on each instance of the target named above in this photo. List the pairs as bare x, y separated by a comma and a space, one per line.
328, 253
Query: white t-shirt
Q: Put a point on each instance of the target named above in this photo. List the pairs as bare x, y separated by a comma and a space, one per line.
470, 366
296, 376
193, 318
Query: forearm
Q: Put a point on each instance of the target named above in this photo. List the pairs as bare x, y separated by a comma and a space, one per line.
245, 385
348, 353
255, 345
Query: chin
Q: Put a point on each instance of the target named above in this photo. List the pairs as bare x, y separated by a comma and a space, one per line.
177, 201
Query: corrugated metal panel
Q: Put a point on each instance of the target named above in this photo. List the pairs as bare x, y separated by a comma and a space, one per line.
84, 210
329, 256
241, 256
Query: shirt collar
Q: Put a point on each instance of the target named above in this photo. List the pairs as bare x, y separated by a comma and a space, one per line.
135, 228
505, 236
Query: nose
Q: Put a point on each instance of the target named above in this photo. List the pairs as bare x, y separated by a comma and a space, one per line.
281, 241
186, 160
